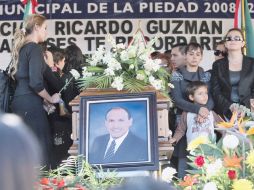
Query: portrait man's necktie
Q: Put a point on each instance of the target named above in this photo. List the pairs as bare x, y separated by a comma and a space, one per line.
110, 153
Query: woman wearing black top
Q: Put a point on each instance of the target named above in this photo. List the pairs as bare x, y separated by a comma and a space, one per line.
233, 76
73, 60
28, 70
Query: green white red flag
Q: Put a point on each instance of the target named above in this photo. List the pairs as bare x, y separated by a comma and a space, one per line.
30, 6
243, 21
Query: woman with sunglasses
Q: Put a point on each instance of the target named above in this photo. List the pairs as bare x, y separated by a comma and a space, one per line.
233, 76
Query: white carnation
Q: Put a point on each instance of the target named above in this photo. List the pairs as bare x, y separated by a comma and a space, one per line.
96, 58
124, 56
140, 76
107, 58
230, 141
131, 66
156, 83
210, 186
152, 65
168, 174
114, 65
151, 79
109, 72
75, 74
118, 83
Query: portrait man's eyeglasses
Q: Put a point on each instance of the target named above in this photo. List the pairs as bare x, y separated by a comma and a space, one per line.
219, 52
233, 38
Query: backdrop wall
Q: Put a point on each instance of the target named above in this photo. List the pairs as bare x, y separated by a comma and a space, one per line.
88, 22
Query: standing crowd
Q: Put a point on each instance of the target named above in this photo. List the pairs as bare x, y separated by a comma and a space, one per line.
200, 97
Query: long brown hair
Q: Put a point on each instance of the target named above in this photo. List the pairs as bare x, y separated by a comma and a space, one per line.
20, 38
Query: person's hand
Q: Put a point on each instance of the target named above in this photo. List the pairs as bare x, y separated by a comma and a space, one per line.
203, 112
48, 107
233, 108
200, 119
172, 141
240, 114
55, 98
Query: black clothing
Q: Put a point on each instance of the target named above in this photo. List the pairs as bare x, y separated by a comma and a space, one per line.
27, 103
61, 125
31, 66
71, 91
52, 81
234, 77
221, 86
132, 149
180, 79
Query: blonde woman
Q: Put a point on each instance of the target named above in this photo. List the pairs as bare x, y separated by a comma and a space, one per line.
28, 69
233, 76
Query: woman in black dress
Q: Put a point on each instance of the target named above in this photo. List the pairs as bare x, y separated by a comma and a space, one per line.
28, 68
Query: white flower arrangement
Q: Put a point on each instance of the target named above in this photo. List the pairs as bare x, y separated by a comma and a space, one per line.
125, 68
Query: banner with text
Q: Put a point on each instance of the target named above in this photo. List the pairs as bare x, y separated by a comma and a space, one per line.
87, 23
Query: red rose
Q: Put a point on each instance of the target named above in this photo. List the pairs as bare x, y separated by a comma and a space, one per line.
199, 161
231, 174
44, 181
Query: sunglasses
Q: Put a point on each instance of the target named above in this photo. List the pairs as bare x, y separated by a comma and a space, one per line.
233, 38
219, 52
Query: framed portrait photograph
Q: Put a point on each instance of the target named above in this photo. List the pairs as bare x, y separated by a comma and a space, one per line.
119, 131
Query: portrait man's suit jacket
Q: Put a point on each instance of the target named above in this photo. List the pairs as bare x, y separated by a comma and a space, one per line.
132, 149
221, 87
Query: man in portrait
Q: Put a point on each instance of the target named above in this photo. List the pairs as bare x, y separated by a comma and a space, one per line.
120, 144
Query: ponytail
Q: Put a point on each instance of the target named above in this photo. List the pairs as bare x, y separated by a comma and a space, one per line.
18, 42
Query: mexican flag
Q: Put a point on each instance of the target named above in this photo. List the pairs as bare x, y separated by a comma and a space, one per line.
243, 21
29, 7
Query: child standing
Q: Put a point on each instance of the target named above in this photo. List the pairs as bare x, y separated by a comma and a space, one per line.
197, 92
181, 77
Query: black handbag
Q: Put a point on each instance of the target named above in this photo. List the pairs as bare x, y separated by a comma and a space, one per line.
7, 88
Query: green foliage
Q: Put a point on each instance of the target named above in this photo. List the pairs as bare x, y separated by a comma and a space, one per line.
75, 171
